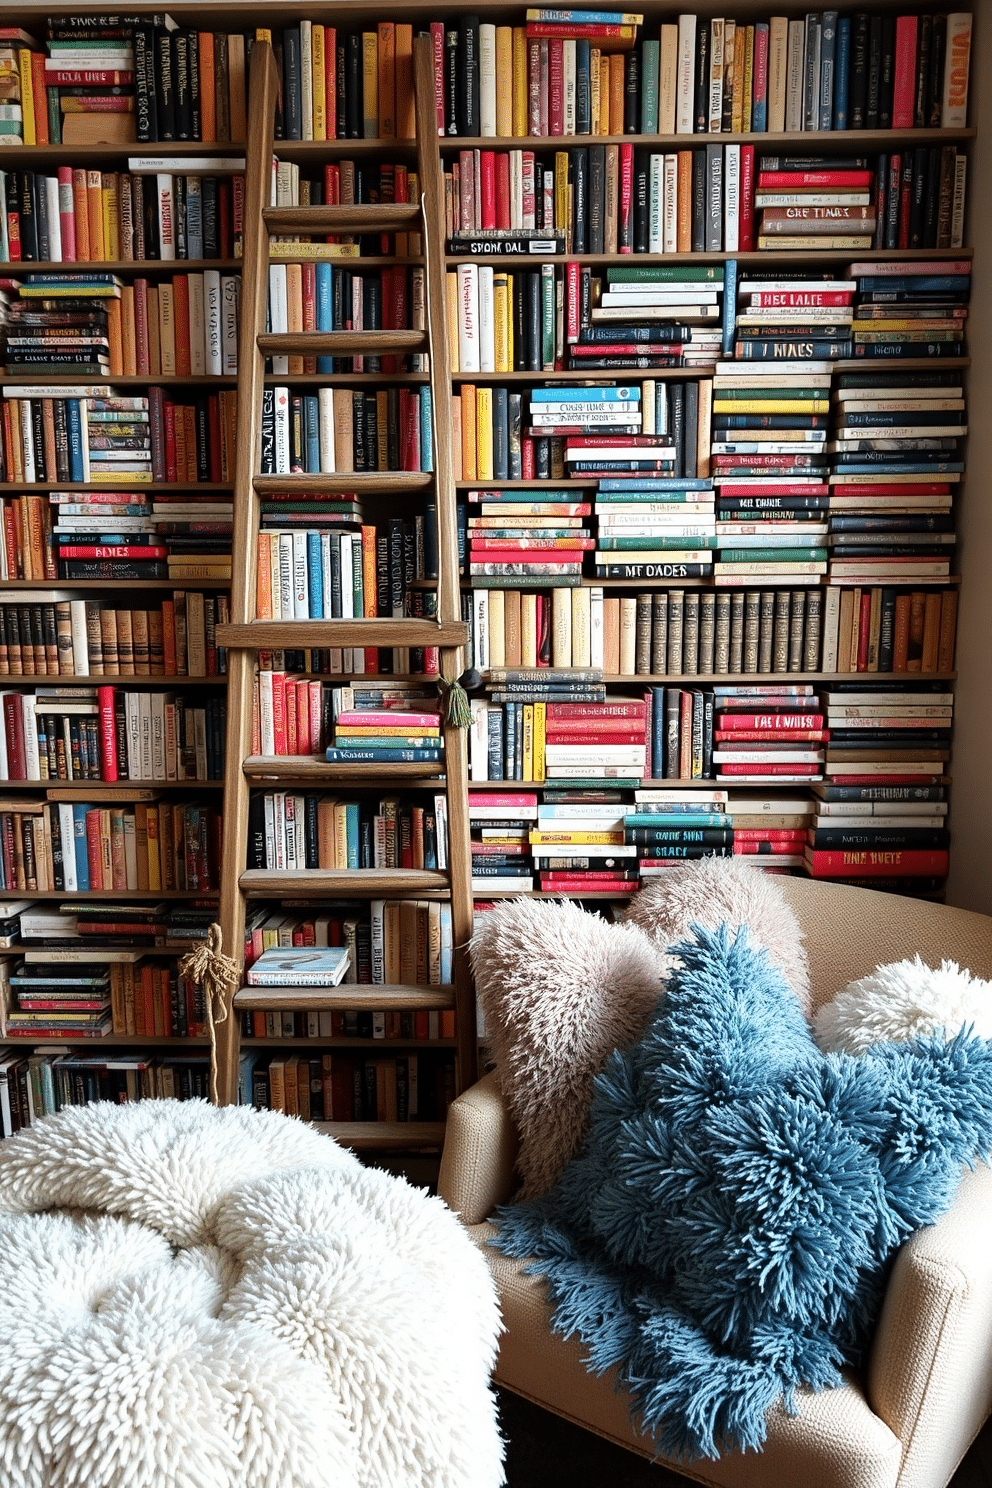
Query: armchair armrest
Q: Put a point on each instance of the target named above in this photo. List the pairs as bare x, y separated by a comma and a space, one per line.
929, 1375
480, 1148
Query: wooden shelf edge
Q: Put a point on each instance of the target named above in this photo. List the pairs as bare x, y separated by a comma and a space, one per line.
343, 883
280, 634
312, 771
348, 995
384, 1136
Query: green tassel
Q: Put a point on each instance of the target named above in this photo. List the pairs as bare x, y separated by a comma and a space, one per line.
455, 704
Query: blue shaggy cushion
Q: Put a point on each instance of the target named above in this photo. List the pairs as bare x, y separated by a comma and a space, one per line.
725, 1233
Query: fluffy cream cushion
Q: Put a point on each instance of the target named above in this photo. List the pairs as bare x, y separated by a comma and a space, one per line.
713, 890
560, 989
906, 999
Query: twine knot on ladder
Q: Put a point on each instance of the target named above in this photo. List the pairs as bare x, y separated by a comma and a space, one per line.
217, 975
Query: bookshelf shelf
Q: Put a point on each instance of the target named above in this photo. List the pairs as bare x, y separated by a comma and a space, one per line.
743, 678
203, 488
344, 883
352, 482
138, 266
113, 584
102, 787
385, 1136
400, 997
344, 1044
841, 140
341, 379
342, 343
845, 364
280, 634
753, 259
141, 380
105, 679
116, 895
302, 770
108, 153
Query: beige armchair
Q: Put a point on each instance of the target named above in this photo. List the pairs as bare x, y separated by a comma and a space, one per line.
927, 1385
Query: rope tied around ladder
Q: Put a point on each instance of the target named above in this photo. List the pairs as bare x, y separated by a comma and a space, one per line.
217, 975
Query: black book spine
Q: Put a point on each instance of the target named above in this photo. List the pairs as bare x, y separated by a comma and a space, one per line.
468, 75
196, 117
580, 200
181, 84
534, 319
858, 102
341, 92
701, 113
924, 40
691, 428
146, 102
354, 118
371, 432
642, 204
917, 206
521, 293
632, 92
501, 433
872, 105
714, 198
597, 196
887, 72
29, 220
583, 95
931, 197
700, 205
165, 87
292, 95
935, 74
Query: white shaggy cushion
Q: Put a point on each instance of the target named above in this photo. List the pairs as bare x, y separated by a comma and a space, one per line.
201, 1298
906, 999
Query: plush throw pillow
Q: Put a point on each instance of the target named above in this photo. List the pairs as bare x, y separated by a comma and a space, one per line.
906, 999
725, 1232
560, 989
714, 891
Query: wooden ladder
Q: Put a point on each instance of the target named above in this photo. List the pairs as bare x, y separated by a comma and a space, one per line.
244, 635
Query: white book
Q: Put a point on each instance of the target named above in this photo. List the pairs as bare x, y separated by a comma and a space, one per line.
716, 75
157, 722
656, 205
670, 218
794, 77
266, 724
731, 197
596, 628
32, 759
351, 602
281, 429
568, 88
212, 335
270, 830
325, 572
685, 121
668, 70
478, 740
230, 293
480, 628
145, 727
166, 217
325, 429
278, 313
487, 79
301, 593
306, 79
51, 188
812, 199
468, 318
68, 834
487, 320
954, 109
287, 605
516, 188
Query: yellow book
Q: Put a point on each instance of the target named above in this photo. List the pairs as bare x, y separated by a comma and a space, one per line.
282, 250
609, 839
30, 133
386, 83
504, 81
167, 329
497, 628
528, 760
561, 627
370, 83
770, 405
127, 331
595, 60
262, 33
528, 629
340, 834
519, 80
111, 218
563, 217
317, 35
469, 469
451, 304
540, 735
502, 328
745, 125
483, 433
94, 195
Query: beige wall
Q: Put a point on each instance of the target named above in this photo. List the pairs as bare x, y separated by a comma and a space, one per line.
970, 883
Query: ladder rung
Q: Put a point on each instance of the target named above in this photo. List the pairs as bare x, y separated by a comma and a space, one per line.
344, 883
396, 217
400, 998
278, 634
349, 482
341, 343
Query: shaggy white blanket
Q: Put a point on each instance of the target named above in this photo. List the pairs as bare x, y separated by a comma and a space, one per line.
202, 1298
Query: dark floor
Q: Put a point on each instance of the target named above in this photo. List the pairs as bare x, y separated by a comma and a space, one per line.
543, 1451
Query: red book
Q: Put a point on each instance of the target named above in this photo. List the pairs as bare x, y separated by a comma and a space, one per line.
905, 200
745, 200
591, 710
529, 555
768, 849
577, 30
279, 711
590, 882
629, 348
67, 215
731, 488
798, 299
907, 861
213, 428
572, 302
904, 85
769, 834
770, 767
599, 736
556, 86
487, 181
781, 736
891, 488
759, 69
770, 720
13, 719
100, 550
789, 180
84, 77
108, 738
169, 420
527, 459
625, 220
503, 189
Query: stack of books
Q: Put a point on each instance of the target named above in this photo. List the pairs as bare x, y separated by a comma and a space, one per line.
89, 75
300, 967
60, 326
523, 539
806, 204
291, 832
653, 316
501, 824
579, 844
594, 741
772, 504
386, 735
58, 1000
854, 830
654, 527
770, 830
291, 715
17, 48
311, 571
771, 733
665, 828
338, 430
911, 309
893, 736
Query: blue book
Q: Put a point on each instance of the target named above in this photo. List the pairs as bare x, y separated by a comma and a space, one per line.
351, 833
447, 941
79, 810
624, 394
939, 283
300, 966
626, 485
828, 67
842, 69
759, 110
382, 755
501, 433
650, 63
583, 87
311, 432
426, 431
729, 319
77, 470
680, 819
657, 732
324, 282
315, 577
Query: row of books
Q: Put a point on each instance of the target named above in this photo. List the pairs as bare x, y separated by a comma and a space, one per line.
295, 831
703, 75
60, 1000
688, 632
325, 296
403, 1087
290, 715
111, 734
87, 637
337, 430
80, 215
45, 1083
44, 846
381, 942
